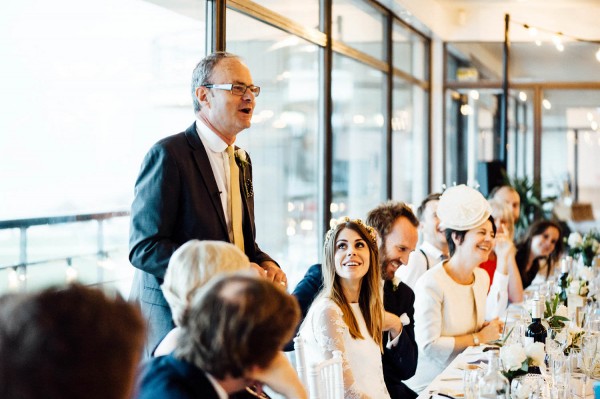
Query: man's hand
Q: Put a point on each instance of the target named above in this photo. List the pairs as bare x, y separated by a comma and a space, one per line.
274, 273
393, 324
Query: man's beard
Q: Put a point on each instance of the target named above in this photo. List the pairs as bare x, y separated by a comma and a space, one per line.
383, 262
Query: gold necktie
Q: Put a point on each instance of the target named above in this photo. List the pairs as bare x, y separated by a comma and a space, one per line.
235, 200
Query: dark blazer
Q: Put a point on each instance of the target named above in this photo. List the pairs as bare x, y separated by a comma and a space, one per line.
400, 362
168, 377
177, 199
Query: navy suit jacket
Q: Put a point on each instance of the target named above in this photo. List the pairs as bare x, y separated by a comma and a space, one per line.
400, 362
169, 377
177, 199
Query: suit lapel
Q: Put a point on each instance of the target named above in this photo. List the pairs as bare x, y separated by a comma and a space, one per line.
203, 163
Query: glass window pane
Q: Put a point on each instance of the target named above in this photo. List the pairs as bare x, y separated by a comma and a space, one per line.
410, 52
305, 12
410, 125
90, 86
359, 25
520, 134
570, 145
471, 128
282, 140
358, 131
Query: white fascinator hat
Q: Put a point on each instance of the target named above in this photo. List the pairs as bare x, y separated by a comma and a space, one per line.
462, 208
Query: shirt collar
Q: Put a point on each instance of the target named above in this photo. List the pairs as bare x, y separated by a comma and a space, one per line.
209, 138
220, 390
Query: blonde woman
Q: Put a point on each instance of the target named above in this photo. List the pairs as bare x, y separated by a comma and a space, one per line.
190, 267
348, 313
506, 285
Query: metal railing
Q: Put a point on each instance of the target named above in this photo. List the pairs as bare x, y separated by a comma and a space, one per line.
18, 270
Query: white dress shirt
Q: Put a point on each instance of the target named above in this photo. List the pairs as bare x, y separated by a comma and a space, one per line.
417, 264
216, 149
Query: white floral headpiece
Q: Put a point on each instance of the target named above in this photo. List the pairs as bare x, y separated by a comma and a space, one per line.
345, 219
462, 208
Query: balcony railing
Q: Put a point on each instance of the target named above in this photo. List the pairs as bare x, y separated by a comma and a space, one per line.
66, 248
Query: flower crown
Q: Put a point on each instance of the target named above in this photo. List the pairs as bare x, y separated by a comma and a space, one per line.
345, 219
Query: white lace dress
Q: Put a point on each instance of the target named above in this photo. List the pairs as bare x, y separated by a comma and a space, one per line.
324, 331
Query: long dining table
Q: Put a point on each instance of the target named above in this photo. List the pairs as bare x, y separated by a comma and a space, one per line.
450, 382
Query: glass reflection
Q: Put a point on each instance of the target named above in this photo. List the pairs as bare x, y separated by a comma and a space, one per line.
282, 140
350, 14
358, 131
409, 134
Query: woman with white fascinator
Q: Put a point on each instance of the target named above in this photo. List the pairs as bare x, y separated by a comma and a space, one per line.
450, 301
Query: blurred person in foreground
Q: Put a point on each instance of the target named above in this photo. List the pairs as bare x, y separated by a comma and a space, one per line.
69, 343
197, 184
191, 266
450, 303
232, 336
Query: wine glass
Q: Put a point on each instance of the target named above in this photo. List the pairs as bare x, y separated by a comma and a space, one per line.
589, 355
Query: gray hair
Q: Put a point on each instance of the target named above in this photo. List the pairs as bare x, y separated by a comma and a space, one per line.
193, 265
202, 73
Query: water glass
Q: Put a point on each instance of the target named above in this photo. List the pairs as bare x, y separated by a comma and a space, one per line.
471, 375
578, 385
559, 392
559, 369
554, 340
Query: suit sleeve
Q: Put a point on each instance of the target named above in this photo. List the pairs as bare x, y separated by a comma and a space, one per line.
153, 212
403, 356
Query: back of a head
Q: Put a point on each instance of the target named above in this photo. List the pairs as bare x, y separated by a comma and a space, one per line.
193, 265
236, 322
68, 343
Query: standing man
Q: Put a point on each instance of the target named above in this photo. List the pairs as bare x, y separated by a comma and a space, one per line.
433, 248
197, 185
397, 228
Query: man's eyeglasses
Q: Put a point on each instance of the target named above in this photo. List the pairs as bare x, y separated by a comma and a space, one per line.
237, 89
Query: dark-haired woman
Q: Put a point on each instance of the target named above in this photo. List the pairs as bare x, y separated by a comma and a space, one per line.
539, 251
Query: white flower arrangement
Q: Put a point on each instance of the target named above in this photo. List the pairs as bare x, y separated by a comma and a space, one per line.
579, 287
517, 359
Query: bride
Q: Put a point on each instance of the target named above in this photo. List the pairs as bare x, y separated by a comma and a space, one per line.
348, 313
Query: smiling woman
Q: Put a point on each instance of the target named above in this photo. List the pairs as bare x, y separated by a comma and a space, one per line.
450, 299
348, 313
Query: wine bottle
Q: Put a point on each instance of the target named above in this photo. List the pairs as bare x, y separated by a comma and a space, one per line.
493, 385
563, 281
536, 329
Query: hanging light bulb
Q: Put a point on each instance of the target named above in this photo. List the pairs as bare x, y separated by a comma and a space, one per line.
598, 55
538, 42
523, 96
557, 40
546, 103
533, 31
